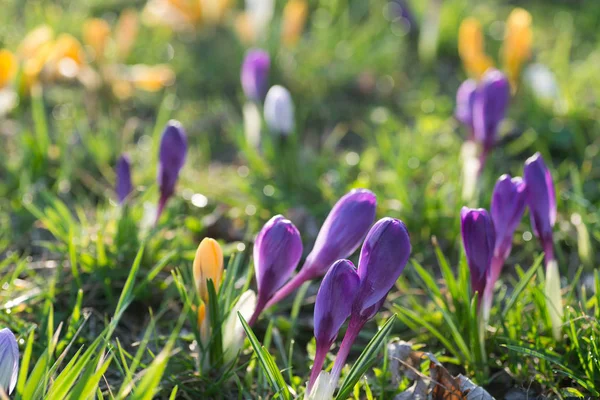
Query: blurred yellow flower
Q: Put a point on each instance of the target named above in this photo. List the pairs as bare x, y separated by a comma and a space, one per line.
518, 40
214, 10
96, 34
8, 67
294, 18
126, 33
34, 41
243, 26
471, 48
65, 59
151, 78
208, 264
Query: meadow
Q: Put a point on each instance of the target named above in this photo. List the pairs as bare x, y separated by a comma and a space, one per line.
299, 199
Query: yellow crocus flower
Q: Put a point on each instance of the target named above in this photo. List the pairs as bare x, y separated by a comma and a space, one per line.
294, 18
126, 32
151, 78
471, 48
96, 33
208, 264
214, 10
8, 67
518, 39
66, 58
34, 41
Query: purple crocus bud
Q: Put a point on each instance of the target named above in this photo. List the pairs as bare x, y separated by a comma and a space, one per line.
489, 106
507, 208
541, 200
277, 250
342, 232
332, 308
465, 97
383, 257
279, 111
255, 74
478, 238
9, 360
173, 149
124, 186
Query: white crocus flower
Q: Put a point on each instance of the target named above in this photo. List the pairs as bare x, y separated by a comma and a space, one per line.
279, 110
233, 331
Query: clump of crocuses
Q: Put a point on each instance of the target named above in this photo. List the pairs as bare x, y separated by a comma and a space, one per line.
9, 361
255, 74
541, 199
383, 256
340, 235
124, 186
172, 154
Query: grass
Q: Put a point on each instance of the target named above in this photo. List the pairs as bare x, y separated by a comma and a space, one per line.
102, 302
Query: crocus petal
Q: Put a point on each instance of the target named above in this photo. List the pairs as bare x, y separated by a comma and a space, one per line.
279, 110
9, 360
8, 67
518, 39
489, 106
541, 199
124, 186
255, 74
343, 230
172, 153
507, 208
383, 257
208, 264
334, 300
478, 238
277, 250
96, 33
471, 48
294, 18
465, 97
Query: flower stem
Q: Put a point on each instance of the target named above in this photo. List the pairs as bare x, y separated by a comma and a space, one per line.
293, 284
352, 332
320, 356
260, 306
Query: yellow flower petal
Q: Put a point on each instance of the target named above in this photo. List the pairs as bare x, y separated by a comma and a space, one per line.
66, 58
471, 48
8, 67
294, 18
190, 8
34, 40
152, 78
518, 40
126, 32
208, 264
244, 28
96, 33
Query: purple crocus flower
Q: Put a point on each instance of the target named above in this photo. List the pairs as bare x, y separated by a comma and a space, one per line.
9, 360
123, 186
255, 74
277, 250
489, 107
332, 308
173, 149
508, 206
383, 257
465, 97
507, 209
541, 199
478, 238
342, 232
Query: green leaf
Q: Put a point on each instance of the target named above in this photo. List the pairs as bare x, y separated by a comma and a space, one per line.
266, 362
366, 359
523, 282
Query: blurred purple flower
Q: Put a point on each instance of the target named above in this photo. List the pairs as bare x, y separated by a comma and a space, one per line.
332, 308
123, 186
9, 360
255, 74
490, 106
507, 209
383, 257
478, 238
277, 250
465, 97
342, 232
541, 199
172, 153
